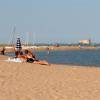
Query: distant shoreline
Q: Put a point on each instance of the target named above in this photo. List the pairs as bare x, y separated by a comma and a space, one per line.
52, 48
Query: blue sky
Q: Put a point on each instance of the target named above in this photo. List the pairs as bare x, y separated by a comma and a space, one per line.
51, 20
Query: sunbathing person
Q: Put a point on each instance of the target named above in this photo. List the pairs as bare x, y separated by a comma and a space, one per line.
29, 57
19, 55
29, 54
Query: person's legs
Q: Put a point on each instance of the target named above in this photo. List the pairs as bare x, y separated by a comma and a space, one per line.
41, 62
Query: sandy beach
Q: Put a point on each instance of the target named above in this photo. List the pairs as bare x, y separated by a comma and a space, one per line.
26, 81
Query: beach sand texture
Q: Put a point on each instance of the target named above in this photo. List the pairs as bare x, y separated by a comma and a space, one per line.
23, 81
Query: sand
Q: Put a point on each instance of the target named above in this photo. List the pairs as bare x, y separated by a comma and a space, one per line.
25, 81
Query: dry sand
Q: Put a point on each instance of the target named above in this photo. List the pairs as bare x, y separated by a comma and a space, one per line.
24, 81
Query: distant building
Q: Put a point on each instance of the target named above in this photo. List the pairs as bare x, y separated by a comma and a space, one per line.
85, 42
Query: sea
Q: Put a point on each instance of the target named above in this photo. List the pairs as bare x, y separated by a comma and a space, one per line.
69, 57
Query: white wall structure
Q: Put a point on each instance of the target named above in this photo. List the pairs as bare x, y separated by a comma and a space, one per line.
85, 42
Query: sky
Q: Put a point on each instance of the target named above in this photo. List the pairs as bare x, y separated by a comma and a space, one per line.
49, 21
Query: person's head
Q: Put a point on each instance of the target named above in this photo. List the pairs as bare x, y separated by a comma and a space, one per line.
21, 53
26, 51
3, 48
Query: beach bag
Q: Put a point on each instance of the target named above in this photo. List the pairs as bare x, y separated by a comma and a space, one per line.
30, 60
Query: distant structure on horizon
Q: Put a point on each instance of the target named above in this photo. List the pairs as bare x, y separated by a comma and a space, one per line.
85, 42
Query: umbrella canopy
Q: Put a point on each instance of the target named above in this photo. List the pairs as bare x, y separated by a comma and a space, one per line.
18, 45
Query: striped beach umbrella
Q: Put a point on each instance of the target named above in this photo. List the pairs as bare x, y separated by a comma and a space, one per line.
18, 45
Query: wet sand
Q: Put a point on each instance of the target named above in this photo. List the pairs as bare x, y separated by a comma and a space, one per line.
25, 81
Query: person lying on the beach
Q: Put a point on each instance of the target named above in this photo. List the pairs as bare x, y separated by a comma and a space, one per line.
29, 57
29, 54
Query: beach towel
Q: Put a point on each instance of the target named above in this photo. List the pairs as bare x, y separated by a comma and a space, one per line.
13, 60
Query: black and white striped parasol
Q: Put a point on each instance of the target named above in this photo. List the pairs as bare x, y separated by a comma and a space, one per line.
18, 45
